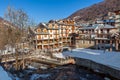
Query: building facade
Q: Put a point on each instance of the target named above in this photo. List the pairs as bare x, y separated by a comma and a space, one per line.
53, 36
117, 19
105, 38
97, 36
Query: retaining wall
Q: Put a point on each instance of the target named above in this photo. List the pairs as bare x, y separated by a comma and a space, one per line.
98, 67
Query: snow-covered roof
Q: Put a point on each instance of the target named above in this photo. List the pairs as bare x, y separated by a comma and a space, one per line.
58, 55
97, 26
101, 38
107, 26
90, 27
109, 20
42, 25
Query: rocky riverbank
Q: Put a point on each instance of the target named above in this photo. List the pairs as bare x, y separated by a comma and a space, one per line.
67, 72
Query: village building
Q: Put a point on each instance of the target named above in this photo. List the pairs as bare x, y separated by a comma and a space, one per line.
98, 36
104, 38
104, 34
53, 36
94, 36
117, 25
117, 19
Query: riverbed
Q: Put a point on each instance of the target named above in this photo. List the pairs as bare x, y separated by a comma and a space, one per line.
66, 72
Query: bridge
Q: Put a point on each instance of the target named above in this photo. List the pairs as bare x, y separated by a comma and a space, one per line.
38, 58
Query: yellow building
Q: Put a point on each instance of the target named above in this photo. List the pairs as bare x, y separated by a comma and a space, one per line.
53, 36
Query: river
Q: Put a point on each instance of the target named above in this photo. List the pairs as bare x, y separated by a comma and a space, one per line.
67, 72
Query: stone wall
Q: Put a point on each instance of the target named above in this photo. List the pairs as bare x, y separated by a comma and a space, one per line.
98, 67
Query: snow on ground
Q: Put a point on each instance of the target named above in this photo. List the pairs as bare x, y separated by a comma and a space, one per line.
58, 55
31, 67
37, 76
111, 59
4, 75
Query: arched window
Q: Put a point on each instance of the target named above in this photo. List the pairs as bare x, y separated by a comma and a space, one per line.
45, 30
50, 25
38, 30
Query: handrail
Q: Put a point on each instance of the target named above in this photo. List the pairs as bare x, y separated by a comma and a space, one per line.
57, 61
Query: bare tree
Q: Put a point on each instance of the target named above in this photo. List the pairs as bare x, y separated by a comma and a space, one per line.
3, 40
17, 34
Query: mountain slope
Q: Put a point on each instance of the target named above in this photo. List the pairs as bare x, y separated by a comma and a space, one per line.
97, 10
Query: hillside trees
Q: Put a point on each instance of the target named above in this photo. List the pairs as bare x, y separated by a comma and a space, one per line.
96, 11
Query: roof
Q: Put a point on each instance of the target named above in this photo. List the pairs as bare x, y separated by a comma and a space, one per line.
98, 26
116, 11
90, 27
107, 26
42, 25
109, 20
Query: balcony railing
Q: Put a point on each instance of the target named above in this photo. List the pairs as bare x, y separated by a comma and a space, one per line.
56, 32
39, 44
117, 16
117, 20
56, 28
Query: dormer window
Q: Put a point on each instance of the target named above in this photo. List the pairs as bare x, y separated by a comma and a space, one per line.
38, 30
45, 30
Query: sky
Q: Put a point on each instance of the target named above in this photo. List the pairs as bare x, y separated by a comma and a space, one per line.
45, 10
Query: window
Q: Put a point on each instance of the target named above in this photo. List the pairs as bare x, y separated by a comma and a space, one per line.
45, 35
38, 30
45, 30
50, 25
39, 36
101, 31
50, 30
107, 30
56, 26
50, 35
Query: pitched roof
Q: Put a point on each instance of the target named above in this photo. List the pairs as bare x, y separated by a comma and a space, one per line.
41, 25
98, 26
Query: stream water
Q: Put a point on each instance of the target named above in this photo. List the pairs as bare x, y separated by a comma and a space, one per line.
67, 72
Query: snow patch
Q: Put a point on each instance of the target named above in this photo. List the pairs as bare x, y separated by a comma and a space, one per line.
111, 59
31, 67
4, 75
59, 55
36, 76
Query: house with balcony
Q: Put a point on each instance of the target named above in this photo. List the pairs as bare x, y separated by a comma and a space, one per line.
117, 19
117, 25
104, 37
98, 36
51, 37
86, 36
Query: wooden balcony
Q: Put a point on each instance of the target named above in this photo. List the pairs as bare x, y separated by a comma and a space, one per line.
56, 28
42, 33
60, 41
118, 16
84, 38
56, 33
50, 41
39, 44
